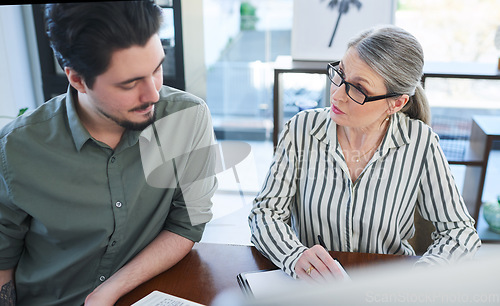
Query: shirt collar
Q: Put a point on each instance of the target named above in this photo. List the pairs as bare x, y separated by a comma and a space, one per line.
397, 132
325, 130
78, 131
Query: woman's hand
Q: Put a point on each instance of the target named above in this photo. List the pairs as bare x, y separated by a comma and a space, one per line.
316, 264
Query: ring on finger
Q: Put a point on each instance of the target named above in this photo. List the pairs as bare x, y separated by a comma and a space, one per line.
309, 270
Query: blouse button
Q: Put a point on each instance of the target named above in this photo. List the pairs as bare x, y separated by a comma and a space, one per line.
118, 204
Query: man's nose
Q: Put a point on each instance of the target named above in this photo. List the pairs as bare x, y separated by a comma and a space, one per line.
150, 90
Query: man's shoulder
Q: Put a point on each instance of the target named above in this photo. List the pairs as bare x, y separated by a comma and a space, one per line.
173, 99
34, 120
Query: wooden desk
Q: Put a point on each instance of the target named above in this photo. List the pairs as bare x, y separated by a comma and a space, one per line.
210, 269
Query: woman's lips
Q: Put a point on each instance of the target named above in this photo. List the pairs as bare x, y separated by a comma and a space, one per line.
337, 111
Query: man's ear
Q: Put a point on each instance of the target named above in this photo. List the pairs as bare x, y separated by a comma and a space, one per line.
397, 104
75, 79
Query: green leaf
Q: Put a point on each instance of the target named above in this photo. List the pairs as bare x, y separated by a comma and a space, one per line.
22, 111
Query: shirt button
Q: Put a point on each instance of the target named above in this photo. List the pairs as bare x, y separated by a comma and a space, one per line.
118, 204
113, 243
102, 278
112, 159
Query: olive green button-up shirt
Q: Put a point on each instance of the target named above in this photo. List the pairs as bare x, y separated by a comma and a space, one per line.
73, 211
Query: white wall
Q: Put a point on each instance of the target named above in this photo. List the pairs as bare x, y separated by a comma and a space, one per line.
16, 83
194, 46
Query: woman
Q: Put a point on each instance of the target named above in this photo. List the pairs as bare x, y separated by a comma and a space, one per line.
355, 172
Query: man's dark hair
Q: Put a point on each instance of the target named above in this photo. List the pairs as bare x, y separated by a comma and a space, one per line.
84, 35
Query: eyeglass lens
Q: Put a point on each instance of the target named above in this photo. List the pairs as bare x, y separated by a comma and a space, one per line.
351, 91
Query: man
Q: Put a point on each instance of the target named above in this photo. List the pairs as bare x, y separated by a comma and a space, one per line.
86, 212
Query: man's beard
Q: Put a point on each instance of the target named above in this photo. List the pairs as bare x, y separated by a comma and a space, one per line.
137, 126
133, 126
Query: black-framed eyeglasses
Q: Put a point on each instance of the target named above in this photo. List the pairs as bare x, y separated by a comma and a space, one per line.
351, 90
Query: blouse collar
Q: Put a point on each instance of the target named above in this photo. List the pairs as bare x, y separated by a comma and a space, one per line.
325, 130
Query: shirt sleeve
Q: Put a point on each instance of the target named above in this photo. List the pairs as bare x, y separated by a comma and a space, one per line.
195, 171
14, 222
269, 218
440, 202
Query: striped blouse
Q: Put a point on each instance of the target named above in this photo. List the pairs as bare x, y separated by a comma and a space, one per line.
308, 192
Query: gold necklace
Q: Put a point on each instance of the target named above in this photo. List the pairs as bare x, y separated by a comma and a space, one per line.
357, 159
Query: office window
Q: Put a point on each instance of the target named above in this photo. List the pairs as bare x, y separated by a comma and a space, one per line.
459, 35
453, 30
243, 39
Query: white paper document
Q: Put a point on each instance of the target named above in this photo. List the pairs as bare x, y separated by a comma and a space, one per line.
269, 282
264, 283
157, 298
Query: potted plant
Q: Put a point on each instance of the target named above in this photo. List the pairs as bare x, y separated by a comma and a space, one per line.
21, 111
491, 213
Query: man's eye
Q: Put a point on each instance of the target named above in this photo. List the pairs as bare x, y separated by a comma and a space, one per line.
159, 69
128, 86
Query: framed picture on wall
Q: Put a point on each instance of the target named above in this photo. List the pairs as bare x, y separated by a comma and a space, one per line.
322, 28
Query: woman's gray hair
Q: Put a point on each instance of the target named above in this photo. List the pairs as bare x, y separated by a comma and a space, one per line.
398, 58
